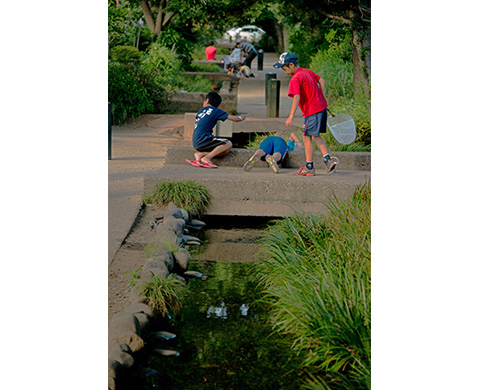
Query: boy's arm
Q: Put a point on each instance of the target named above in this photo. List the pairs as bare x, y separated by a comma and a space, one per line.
236, 118
296, 100
323, 86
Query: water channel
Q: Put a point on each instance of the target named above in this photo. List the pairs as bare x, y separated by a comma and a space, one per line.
223, 333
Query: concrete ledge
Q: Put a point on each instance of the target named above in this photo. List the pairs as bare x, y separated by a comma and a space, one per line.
261, 192
193, 101
220, 64
217, 76
349, 161
220, 76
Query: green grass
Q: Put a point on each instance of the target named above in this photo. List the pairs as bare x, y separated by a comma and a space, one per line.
186, 195
164, 295
169, 243
315, 271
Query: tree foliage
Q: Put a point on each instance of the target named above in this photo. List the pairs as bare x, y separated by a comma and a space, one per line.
308, 24
354, 14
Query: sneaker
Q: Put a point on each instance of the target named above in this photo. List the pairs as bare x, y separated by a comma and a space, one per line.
250, 163
332, 165
304, 171
272, 163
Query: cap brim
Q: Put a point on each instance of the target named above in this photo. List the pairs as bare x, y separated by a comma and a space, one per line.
277, 65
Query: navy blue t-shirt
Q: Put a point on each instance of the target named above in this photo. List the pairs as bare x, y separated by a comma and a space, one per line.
205, 121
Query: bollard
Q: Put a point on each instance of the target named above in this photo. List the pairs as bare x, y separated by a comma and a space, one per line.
109, 130
260, 60
268, 76
273, 103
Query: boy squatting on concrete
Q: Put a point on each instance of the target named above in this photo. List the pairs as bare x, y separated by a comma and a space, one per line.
307, 95
273, 150
203, 141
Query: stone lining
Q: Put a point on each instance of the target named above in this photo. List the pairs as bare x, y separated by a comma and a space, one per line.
127, 330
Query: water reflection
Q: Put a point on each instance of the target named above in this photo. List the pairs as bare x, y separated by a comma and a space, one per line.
224, 333
221, 311
244, 309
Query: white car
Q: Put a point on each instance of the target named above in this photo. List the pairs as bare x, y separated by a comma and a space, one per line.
245, 33
250, 33
231, 34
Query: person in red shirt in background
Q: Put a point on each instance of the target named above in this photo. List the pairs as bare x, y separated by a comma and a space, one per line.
210, 51
308, 92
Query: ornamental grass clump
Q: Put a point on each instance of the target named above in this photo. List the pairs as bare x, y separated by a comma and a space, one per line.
315, 272
170, 243
187, 195
164, 295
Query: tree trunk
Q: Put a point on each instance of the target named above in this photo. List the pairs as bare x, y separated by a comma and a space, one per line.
147, 13
281, 35
159, 23
167, 18
360, 69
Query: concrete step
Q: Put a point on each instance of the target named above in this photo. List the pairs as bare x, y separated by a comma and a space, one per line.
250, 126
349, 161
261, 192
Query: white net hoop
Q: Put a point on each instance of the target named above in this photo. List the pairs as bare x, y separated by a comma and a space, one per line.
342, 127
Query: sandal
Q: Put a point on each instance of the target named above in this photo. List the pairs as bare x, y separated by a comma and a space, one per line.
195, 163
207, 165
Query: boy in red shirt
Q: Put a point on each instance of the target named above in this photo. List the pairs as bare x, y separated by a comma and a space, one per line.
305, 90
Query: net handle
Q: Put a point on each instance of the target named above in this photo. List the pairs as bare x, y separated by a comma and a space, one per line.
330, 113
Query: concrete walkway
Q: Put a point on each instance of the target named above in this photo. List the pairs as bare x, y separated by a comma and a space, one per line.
139, 148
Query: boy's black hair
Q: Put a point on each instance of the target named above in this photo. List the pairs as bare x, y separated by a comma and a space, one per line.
214, 99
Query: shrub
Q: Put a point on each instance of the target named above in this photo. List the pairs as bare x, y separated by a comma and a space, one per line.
304, 40
162, 66
338, 73
201, 67
122, 30
334, 65
128, 96
179, 39
125, 54
165, 71
315, 271
187, 195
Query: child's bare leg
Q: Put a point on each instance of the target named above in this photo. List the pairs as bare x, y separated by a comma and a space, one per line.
220, 150
260, 152
277, 156
309, 147
199, 155
329, 163
321, 144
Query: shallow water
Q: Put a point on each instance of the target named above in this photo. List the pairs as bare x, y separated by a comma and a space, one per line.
224, 333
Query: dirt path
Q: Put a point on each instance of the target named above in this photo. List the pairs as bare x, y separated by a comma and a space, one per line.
130, 257
138, 148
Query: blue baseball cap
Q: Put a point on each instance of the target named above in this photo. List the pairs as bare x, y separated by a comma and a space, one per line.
285, 59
